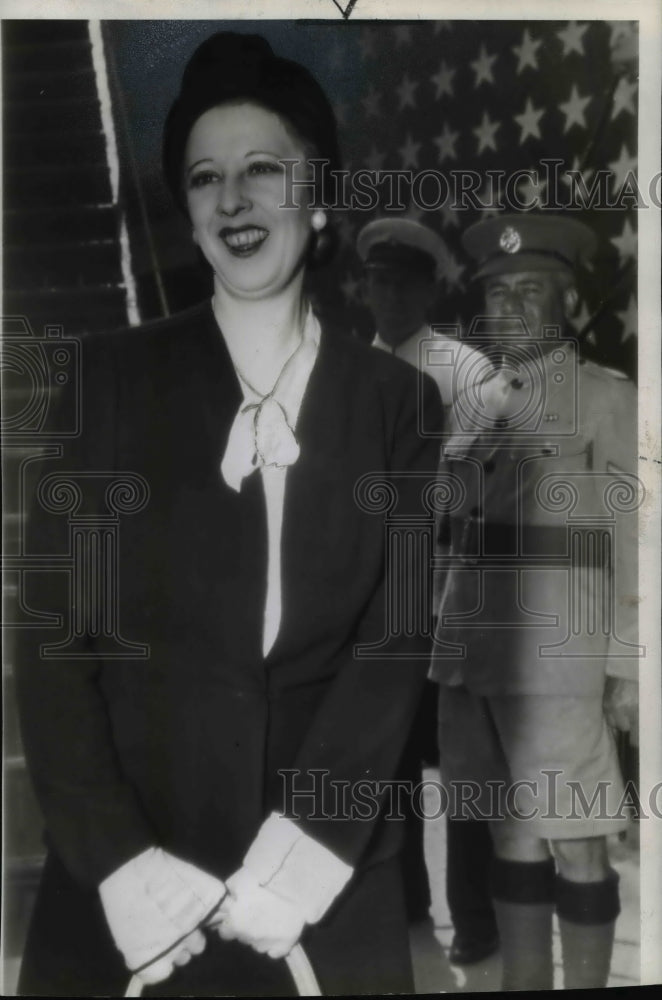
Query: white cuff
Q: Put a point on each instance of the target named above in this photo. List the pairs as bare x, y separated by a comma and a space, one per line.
153, 901
297, 867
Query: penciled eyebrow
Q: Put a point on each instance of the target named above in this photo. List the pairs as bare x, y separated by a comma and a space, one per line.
197, 164
251, 152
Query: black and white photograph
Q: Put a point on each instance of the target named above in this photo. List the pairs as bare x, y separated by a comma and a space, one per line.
331, 367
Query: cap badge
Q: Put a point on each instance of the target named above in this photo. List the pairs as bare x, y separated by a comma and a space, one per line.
510, 240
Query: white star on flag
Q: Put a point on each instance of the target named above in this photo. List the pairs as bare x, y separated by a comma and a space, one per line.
489, 196
626, 243
409, 152
620, 30
581, 317
624, 97
446, 144
629, 319
624, 46
485, 133
443, 81
414, 212
375, 158
406, 93
449, 215
530, 190
453, 271
371, 103
574, 109
571, 37
482, 67
621, 167
526, 52
572, 182
528, 121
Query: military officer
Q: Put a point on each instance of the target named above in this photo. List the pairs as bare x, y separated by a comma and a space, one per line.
537, 639
403, 262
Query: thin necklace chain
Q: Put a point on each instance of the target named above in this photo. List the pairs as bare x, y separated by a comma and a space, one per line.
272, 391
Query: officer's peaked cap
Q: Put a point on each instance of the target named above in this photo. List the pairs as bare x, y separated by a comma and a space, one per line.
402, 243
528, 242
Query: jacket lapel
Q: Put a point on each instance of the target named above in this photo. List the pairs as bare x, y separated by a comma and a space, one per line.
322, 432
235, 523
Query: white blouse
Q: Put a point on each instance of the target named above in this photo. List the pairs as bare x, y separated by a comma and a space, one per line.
262, 436
282, 857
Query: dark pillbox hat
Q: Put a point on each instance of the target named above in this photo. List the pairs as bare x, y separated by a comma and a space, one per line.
230, 66
528, 242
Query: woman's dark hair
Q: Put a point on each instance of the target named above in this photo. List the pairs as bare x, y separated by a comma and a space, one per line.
231, 67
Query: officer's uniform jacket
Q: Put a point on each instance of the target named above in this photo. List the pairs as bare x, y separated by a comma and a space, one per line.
537, 591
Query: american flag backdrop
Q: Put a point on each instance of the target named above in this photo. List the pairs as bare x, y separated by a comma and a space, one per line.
483, 98
502, 97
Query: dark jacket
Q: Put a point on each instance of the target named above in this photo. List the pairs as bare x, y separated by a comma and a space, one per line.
183, 746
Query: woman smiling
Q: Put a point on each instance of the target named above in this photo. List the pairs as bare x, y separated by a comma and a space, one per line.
253, 574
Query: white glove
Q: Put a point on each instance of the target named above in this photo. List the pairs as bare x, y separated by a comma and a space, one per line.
296, 867
259, 917
154, 905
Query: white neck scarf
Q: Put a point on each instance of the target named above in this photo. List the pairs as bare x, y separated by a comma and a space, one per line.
262, 437
262, 434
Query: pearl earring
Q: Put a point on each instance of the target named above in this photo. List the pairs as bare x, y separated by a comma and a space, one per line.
318, 220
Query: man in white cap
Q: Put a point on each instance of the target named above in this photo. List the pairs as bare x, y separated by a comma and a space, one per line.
541, 602
403, 262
